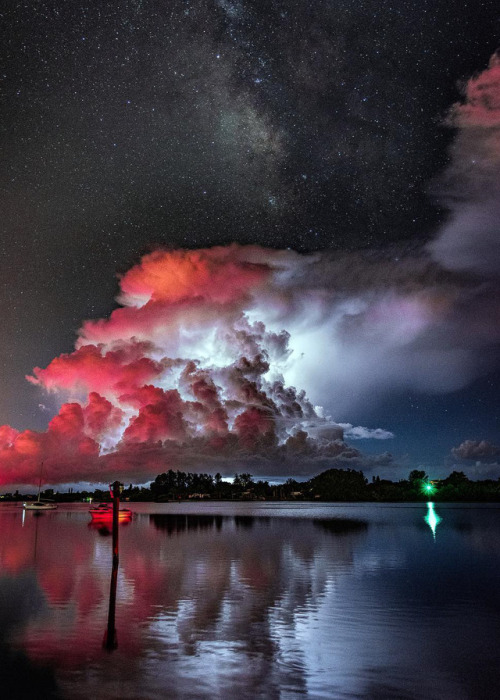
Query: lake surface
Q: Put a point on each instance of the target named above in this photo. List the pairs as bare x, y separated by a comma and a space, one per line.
244, 600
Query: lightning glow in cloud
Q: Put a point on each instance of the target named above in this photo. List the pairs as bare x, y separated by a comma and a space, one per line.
215, 356
178, 373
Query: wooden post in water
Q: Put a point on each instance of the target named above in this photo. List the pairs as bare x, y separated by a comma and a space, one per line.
115, 486
110, 639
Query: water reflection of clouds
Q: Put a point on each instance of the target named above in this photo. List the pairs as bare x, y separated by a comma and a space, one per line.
220, 591
218, 606
261, 594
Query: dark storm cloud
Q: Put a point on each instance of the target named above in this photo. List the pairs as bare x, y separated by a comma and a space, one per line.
476, 450
366, 324
471, 183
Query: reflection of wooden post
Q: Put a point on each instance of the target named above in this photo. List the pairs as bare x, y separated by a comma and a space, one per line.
110, 639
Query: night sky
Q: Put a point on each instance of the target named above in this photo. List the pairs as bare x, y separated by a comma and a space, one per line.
356, 144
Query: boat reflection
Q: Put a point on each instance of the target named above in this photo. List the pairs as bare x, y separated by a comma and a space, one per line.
105, 527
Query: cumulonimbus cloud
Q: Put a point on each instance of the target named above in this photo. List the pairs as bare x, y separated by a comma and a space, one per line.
194, 367
222, 356
179, 374
213, 354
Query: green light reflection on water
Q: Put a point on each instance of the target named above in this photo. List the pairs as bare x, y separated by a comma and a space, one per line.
432, 518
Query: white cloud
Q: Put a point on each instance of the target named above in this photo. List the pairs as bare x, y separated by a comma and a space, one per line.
360, 433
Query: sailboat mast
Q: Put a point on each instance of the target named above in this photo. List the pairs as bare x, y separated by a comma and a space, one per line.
40, 481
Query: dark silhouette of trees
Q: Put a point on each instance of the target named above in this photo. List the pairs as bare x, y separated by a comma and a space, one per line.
330, 485
417, 476
456, 479
340, 485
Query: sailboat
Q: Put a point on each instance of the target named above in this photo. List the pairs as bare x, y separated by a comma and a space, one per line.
39, 505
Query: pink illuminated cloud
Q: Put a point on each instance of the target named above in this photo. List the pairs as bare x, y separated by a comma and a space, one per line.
223, 357
481, 107
470, 186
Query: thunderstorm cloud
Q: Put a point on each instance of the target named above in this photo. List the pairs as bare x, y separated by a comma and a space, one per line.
224, 356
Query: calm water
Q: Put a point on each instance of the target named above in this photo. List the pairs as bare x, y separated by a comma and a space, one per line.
254, 601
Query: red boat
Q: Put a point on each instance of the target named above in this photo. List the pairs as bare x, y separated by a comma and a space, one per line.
104, 513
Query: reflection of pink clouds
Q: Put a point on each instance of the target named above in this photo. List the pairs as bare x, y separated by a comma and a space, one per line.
148, 581
58, 583
202, 560
16, 549
76, 589
44, 644
89, 594
256, 571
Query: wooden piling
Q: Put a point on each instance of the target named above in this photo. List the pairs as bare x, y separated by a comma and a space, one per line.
110, 639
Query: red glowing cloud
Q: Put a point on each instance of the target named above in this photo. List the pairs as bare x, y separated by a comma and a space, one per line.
101, 417
482, 99
178, 372
217, 274
91, 368
171, 290
161, 418
470, 185
255, 426
199, 363
64, 443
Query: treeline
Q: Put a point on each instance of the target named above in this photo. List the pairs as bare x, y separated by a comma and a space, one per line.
331, 485
418, 487
350, 485
174, 485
